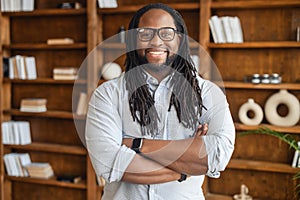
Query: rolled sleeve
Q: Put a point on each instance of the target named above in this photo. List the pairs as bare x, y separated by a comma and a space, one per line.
104, 135
220, 139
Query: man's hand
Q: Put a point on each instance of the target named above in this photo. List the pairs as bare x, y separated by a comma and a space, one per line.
201, 130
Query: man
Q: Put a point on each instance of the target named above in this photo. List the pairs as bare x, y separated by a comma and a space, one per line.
157, 130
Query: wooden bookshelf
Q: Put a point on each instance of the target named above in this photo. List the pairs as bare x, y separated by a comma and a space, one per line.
54, 133
261, 162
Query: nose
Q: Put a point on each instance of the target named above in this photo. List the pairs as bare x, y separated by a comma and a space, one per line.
156, 41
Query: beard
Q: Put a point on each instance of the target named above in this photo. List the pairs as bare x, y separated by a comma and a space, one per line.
159, 67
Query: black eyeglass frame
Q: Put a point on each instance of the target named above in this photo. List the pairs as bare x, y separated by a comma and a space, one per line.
156, 31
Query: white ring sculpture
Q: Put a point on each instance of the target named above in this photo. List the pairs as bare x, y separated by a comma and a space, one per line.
287, 99
250, 105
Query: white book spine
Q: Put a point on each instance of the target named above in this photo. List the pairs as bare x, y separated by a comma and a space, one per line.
227, 29
218, 28
30, 67
295, 162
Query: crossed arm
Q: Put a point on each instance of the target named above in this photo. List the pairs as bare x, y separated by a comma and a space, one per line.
165, 160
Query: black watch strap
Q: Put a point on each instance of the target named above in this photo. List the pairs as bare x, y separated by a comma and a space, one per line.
137, 144
182, 177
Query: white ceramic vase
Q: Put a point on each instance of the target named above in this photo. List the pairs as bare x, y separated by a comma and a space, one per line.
283, 97
250, 105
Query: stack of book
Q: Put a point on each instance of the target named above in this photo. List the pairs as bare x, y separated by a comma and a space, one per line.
20, 67
65, 73
33, 105
15, 164
39, 170
16, 132
226, 29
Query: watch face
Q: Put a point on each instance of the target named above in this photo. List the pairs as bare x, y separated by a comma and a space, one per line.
136, 144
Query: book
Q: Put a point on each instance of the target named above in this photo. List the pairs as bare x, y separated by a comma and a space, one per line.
225, 21
33, 105
5, 67
15, 164
60, 41
16, 132
82, 104
30, 66
65, 70
226, 29
65, 73
22, 67
295, 162
219, 31
17, 5
107, 3
40, 170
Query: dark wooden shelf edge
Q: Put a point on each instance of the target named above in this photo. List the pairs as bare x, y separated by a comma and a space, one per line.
44, 81
134, 8
262, 166
51, 181
45, 46
46, 12
122, 46
293, 129
254, 4
52, 148
243, 85
213, 196
255, 45
50, 113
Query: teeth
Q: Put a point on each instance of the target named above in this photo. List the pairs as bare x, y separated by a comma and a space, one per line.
156, 52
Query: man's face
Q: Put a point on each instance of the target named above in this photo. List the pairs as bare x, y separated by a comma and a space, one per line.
157, 51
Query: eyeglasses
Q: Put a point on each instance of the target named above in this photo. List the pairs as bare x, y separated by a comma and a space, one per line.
164, 33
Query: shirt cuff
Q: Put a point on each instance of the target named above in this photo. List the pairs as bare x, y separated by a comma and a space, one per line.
122, 160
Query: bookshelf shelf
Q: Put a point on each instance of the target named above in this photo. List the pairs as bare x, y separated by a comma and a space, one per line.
44, 46
50, 182
134, 8
44, 81
53, 148
262, 166
255, 4
48, 114
293, 129
242, 85
47, 12
255, 45
121, 46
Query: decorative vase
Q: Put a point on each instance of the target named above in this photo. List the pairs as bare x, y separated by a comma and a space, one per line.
250, 105
283, 97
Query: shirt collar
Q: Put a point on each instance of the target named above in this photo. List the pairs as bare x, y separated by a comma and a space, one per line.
152, 81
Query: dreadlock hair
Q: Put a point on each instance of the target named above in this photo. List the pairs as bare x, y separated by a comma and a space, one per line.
186, 98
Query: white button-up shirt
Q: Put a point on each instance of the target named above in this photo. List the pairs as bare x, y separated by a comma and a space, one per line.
109, 120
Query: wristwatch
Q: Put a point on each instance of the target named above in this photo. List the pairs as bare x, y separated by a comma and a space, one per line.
182, 177
137, 144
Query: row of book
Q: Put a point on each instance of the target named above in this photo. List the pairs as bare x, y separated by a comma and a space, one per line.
16, 132
20, 67
17, 5
19, 164
226, 29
